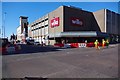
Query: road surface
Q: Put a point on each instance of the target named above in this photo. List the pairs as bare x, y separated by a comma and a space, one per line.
63, 63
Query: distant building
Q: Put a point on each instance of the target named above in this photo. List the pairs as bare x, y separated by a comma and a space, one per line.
70, 24
39, 29
22, 30
19, 33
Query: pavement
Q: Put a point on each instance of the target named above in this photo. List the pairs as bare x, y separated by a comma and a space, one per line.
63, 63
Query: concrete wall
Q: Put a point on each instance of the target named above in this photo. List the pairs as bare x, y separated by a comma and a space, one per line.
118, 23
108, 21
89, 22
54, 14
112, 22
100, 18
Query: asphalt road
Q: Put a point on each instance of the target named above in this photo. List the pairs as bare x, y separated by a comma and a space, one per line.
62, 63
36, 49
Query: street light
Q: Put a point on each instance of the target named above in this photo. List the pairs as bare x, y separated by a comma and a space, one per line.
3, 27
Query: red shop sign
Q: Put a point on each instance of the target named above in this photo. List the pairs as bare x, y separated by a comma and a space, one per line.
54, 22
76, 21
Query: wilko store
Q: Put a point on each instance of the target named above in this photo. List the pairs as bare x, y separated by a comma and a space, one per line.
68, 24
55, 22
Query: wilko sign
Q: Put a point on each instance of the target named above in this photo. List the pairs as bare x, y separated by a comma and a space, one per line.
76, 22
55, 22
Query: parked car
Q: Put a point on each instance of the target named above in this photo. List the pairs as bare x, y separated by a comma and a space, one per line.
12, 48
8, 48
3, 43
30, 41
36, 43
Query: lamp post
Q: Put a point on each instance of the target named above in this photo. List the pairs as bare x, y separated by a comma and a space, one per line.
2, 31
4, 23
2, 27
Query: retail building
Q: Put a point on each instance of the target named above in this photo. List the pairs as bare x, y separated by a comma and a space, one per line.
68, 24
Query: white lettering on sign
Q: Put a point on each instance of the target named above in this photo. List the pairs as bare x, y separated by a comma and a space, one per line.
54, 23
77, 21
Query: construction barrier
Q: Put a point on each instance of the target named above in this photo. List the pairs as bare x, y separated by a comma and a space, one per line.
77, 45
90, 44
82, 44
93, 45
59, 45
74, 45
71, 45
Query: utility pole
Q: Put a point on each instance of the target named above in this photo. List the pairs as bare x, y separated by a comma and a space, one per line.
3, 26
0, 33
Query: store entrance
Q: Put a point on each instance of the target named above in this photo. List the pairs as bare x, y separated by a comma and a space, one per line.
78, 39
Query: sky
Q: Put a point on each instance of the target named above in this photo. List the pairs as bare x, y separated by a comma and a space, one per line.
35, 10
60, 0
